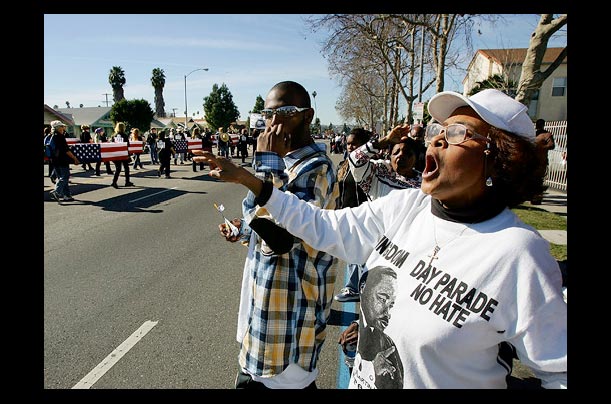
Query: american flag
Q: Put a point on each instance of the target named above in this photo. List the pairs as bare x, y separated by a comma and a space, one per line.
135, 146
180, 146
72, 140
94, 152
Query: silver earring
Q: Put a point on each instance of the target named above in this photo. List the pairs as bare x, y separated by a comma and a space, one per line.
486, 153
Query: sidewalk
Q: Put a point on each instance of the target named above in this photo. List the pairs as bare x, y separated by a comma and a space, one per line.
555, 202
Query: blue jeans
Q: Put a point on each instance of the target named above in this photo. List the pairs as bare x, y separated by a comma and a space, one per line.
354, 277
153, 148
224, 151
61, 186
137, 161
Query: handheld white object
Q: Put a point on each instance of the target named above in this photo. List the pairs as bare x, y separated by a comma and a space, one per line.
234, 230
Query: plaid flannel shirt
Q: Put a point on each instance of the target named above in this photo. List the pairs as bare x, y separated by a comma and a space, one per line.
288, 297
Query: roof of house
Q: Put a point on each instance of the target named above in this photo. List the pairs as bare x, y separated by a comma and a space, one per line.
517, 55
86, 115
67, 119
156, 123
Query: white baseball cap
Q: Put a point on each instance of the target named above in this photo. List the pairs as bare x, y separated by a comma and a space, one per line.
57, 124
493, 106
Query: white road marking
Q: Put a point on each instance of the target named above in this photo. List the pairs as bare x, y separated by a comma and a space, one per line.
148, 196
108, 362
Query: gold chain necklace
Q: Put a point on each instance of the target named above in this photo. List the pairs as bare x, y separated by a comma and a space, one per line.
437, 246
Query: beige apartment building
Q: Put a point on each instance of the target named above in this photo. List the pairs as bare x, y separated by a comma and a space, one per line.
549, 102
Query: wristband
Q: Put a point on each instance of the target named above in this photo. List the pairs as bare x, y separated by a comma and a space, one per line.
265, 194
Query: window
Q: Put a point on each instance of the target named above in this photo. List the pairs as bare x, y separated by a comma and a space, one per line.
559, 87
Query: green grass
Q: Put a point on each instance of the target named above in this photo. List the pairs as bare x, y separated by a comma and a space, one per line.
541, 219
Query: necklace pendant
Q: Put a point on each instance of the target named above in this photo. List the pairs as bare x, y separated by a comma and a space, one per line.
434, 255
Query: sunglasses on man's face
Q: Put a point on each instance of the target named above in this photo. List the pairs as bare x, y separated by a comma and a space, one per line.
286, 111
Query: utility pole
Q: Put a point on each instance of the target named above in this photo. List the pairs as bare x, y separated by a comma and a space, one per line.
106, 94
315, 109
174, 112
187, 75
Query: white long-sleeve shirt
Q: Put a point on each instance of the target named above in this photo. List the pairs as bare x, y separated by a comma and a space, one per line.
491, 282
376, 177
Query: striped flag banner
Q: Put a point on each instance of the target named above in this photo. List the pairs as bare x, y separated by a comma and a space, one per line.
94, 152
72, 140
135, 146
194, 144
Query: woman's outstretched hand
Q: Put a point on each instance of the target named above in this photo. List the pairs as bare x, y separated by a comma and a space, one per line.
225, 170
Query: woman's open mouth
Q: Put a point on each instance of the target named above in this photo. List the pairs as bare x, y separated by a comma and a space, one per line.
431, 168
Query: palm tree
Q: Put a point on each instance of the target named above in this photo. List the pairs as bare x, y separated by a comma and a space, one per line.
116, 78
158, 81
495, 81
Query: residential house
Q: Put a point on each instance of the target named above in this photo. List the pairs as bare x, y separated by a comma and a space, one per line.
54, 115
549, 102
179, 121
95, 117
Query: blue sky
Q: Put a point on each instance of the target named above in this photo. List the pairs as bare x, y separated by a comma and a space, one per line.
247, 52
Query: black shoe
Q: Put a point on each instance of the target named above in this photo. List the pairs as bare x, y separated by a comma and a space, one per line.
54, 196
129, 184
114, 185
347, 295
68, 199
158, 173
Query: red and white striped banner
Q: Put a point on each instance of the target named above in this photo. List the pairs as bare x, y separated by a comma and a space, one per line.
194, 144
135, 146
114, 151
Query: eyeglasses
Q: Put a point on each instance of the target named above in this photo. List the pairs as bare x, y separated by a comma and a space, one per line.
286, 111
455, 133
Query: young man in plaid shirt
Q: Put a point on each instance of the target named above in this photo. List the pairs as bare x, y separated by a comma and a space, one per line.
287, 286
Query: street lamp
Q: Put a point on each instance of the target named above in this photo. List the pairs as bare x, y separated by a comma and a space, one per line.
186, 75
314, 96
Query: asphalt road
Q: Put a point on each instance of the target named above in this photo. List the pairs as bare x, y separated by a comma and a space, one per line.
140, 290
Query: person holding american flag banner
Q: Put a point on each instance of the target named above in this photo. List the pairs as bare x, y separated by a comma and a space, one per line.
61, 161
119, 137
100, 137
101, 151
136, 145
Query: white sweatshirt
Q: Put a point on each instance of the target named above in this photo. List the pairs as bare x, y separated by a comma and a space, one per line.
491, 282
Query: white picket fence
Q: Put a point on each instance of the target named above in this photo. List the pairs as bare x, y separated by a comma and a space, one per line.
557, 165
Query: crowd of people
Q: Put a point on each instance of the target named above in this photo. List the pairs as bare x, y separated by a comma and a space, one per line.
455, 280
161, 146
448, 277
